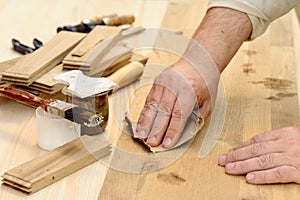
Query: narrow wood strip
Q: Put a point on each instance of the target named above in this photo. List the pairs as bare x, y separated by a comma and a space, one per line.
16, 180
58, 163
34, 65
95, 46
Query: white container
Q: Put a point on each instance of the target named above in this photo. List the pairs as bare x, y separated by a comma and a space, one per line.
53, 130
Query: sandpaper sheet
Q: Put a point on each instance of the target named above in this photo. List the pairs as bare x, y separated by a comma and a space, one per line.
194, 124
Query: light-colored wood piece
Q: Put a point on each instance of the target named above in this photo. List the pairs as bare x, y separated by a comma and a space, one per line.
94, 47
249, 112
127, 74
31, 67
116, 55
56, 164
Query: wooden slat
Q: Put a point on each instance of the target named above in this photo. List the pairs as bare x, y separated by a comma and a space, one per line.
94, 47
29, 68
57, 164
249, 112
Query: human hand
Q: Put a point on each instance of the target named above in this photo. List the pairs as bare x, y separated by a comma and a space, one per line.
271, 157
170, 102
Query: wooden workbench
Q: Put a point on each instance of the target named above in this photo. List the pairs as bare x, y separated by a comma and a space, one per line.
256, 102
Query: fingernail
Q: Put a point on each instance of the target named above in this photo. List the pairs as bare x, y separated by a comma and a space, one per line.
142, 134
250, 176
230, 166
167, 142
222, 159
151, 140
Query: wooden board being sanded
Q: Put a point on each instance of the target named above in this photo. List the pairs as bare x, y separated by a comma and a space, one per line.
32, 66
56, 164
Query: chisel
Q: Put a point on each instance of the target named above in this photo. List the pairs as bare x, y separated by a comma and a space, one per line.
69, 111
88, 24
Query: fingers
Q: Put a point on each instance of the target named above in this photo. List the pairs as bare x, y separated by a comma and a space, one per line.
251, 151
267, 136
267, 161
170, 103
183, 107
149, 111
282, 174
270, 157
162, 119
176, 127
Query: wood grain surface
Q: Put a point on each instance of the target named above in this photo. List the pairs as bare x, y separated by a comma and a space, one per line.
261, 94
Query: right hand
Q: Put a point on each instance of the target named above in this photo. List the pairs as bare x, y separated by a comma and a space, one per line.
172, 98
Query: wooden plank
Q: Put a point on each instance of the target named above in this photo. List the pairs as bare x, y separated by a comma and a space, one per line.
296, 44
249, 112
137, 186
57, 164
116, 55
94, 47
29, 68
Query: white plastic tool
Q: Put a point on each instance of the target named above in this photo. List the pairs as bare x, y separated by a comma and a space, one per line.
83, 86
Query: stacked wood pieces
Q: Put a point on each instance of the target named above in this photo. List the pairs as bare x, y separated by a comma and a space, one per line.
99, 53
93, 48
56, 164
46, 83
5, 65
29, 68
113, 58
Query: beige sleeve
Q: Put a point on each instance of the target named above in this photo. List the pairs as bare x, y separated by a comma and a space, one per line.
260, 12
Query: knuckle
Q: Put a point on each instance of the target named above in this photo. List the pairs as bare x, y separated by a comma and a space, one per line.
255, 149
254, 139
234, 155
279, 173
151, 104
265, 160
177, 113
164, 110
143, 118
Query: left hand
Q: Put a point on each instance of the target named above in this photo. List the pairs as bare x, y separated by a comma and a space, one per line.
271, 157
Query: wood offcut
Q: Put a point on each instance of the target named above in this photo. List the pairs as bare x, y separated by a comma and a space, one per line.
56, 164
29, 68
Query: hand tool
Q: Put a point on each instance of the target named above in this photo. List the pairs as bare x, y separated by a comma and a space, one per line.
37, 43
92, 93
24, 49
21, 48
88, 24
83, 86
69, 111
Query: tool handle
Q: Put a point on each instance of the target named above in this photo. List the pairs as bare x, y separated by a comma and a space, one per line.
117, 21
24, 97
21, 48
127, 74
98, 19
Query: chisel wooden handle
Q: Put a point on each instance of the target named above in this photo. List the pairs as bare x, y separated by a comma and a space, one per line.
117, 21
127, 74
98, 19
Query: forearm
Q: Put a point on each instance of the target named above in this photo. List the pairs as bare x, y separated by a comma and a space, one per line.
221, 34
